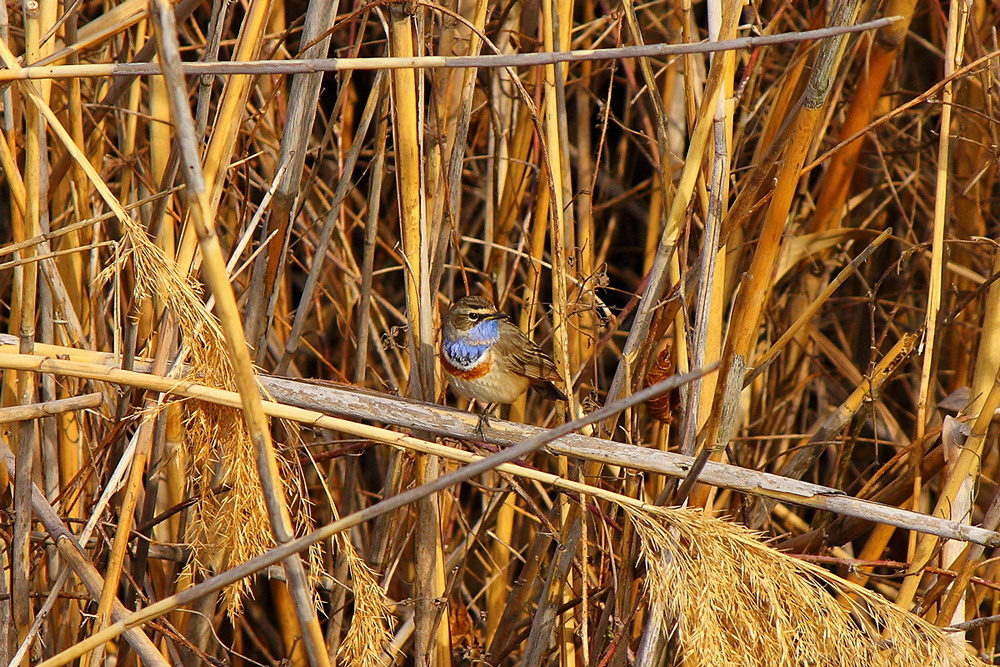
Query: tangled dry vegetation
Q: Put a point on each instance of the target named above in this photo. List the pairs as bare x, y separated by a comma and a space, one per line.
811, 220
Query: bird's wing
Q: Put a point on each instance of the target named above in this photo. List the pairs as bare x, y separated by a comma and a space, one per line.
523, 356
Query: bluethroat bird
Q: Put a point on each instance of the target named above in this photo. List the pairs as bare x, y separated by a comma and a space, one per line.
487, 358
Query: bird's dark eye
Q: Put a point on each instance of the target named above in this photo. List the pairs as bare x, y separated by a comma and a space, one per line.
474, 317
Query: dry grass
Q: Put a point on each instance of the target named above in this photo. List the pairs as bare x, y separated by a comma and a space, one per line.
632, 234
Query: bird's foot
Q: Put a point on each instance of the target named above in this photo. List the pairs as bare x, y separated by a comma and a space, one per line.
484, 421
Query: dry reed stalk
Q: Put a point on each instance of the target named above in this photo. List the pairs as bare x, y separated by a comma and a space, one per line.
408, 117
965, 468
556, 215
756, 285
291, 548
708, 323
585, 300
582, 448
26, 303
959, 504
268, 464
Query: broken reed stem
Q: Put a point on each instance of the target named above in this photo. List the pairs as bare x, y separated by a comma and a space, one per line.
16, 413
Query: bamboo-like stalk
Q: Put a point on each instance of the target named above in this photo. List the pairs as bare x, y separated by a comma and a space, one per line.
407, 119
458, 422
754, 288
836, 178
264, 66
557, 216
18, 413
27, 432
199, 195
961, 503
966, 466
74, 556
303, 98
708, 326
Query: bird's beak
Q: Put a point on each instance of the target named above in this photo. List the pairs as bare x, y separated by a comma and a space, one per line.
496, 316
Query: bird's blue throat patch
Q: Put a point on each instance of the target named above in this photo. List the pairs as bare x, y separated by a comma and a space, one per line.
466, 350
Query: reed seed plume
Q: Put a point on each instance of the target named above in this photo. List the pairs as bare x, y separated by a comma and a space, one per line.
228, 527
368, 642
725, 598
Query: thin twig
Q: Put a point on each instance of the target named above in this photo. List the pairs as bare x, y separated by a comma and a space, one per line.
312, 66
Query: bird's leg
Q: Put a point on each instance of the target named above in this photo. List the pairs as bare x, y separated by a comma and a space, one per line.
484, 420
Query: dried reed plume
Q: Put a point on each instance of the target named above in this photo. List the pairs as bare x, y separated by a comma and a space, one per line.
230, 527
734, 601
370, 634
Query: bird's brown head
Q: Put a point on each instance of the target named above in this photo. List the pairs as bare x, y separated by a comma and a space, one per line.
467, 314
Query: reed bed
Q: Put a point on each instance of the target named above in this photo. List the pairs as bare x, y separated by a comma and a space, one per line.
229, 232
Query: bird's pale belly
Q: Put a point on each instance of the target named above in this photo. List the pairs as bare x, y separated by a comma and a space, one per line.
496, 386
